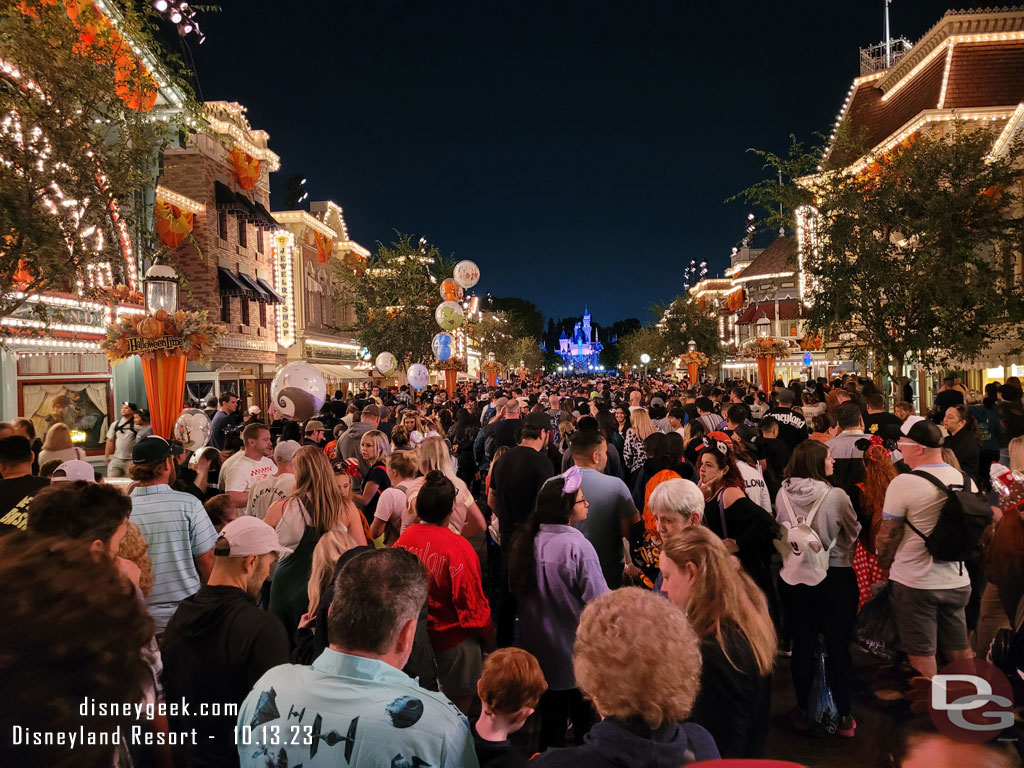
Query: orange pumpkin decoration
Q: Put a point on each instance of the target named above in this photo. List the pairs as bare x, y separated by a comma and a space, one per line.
150, 328
161, 315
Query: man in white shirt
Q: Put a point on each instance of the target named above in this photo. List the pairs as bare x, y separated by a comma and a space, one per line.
274, 487
928, 597
248, 466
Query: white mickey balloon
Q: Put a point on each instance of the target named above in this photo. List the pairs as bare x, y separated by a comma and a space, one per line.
298, 391
466, 274
449, 315
418, 376
386, 363
192, 429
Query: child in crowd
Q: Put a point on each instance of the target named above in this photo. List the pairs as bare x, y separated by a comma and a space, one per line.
510, 686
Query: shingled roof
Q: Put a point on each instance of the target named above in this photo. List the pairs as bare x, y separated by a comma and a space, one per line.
777, 258
984, 70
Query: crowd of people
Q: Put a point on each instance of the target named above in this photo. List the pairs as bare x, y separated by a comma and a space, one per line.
583, 571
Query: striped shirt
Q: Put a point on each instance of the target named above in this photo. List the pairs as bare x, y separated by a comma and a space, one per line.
178, 530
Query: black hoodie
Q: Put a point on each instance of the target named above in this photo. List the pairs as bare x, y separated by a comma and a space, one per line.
613, 743
215, 648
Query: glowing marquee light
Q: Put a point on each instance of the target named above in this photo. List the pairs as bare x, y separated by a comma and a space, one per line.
284, 246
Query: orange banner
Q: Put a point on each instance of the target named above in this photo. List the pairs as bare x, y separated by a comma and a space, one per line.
324, 246
766, 372
450, 377
692, 370
247, 168
492, 378
165, 390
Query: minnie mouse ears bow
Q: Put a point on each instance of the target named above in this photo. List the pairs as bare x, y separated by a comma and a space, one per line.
887, 444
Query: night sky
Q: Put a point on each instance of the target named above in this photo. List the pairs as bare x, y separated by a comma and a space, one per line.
576, 150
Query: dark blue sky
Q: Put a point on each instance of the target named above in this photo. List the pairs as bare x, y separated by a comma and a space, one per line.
577, 150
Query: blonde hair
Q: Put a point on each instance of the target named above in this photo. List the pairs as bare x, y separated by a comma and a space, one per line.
723, 593
381, 444
134, 547
1017, 453
58, 438
950, 458
651, 628
641, 423
332, 545
315, 488
434, 454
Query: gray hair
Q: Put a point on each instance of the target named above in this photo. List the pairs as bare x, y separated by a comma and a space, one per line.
679, 496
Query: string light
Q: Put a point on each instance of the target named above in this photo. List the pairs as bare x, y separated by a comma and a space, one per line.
179, 201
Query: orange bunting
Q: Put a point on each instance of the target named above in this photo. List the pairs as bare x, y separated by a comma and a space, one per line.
22, 276
324, 246
247, 168
173, 225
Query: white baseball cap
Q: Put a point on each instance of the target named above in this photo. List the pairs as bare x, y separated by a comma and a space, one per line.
72, 471
249, 536
286, 450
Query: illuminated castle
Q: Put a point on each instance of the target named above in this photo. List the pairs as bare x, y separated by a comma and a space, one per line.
582, 349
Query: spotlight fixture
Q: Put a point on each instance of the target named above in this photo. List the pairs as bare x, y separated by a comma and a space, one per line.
161, 5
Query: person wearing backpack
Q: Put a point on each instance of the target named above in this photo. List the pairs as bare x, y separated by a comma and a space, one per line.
932, 521
817, 584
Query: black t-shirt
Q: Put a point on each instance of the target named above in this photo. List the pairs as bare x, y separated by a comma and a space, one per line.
215, 648
497, 754
516, 480
878, 420
378, 474
947, 398
506, 432
792, 427
15, 496
776, 453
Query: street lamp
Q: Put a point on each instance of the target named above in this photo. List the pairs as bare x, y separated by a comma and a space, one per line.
691, 346
645, 358
763, 324
161, 287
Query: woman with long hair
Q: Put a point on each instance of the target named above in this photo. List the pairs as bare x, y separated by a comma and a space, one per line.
747, 530
58, 445
633, 453
332, 545
693, 441
554, 572
313, 508
824, 427
827, 607
737, 639
374, 447
964, 438
350, 514
878, 473
466, 518
462, 436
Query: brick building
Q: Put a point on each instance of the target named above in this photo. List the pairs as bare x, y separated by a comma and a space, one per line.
221, 177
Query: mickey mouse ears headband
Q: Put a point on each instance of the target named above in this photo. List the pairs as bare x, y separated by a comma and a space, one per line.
572, 480
717, 440
887, 444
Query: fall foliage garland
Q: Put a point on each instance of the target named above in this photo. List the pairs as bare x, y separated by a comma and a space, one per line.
185, 332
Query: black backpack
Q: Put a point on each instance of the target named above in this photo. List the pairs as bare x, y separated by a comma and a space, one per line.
962, 520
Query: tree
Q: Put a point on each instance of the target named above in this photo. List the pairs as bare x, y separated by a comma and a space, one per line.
909, 257
649, 341
394, 296
525, 351
523, 317
80, 140
493, 336
686, 319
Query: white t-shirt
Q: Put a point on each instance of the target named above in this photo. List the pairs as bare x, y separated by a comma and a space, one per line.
268, 490
240, 473
918, 501
753, 482
463, 501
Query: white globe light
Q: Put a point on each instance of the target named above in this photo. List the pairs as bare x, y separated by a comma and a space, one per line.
645, 358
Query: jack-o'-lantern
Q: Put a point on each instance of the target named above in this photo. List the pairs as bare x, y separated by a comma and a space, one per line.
150, 328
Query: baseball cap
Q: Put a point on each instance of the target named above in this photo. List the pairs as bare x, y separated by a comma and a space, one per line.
133, 406
248, 535
369, 410
152, 448
71, 471
538, 421
657, 401
254, 410
313, 426
924, 433
286, 450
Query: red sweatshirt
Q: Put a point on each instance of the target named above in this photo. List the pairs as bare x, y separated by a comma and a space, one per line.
457, 607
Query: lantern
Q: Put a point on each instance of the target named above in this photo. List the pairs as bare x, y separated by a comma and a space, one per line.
161, 288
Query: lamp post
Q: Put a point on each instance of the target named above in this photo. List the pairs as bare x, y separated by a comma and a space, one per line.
691, 346
645, 359
763, 324
161, 287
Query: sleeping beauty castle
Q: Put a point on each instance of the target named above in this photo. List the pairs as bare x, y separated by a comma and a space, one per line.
583, 349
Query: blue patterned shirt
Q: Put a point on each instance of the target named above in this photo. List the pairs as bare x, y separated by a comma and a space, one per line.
350, 710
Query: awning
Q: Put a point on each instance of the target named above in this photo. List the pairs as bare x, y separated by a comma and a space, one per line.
275, 297
232, 284
339, 372
266, 220
789, 310
998, 353
256, 288
228, 200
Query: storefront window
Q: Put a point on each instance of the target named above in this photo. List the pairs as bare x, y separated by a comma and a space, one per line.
83, 406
